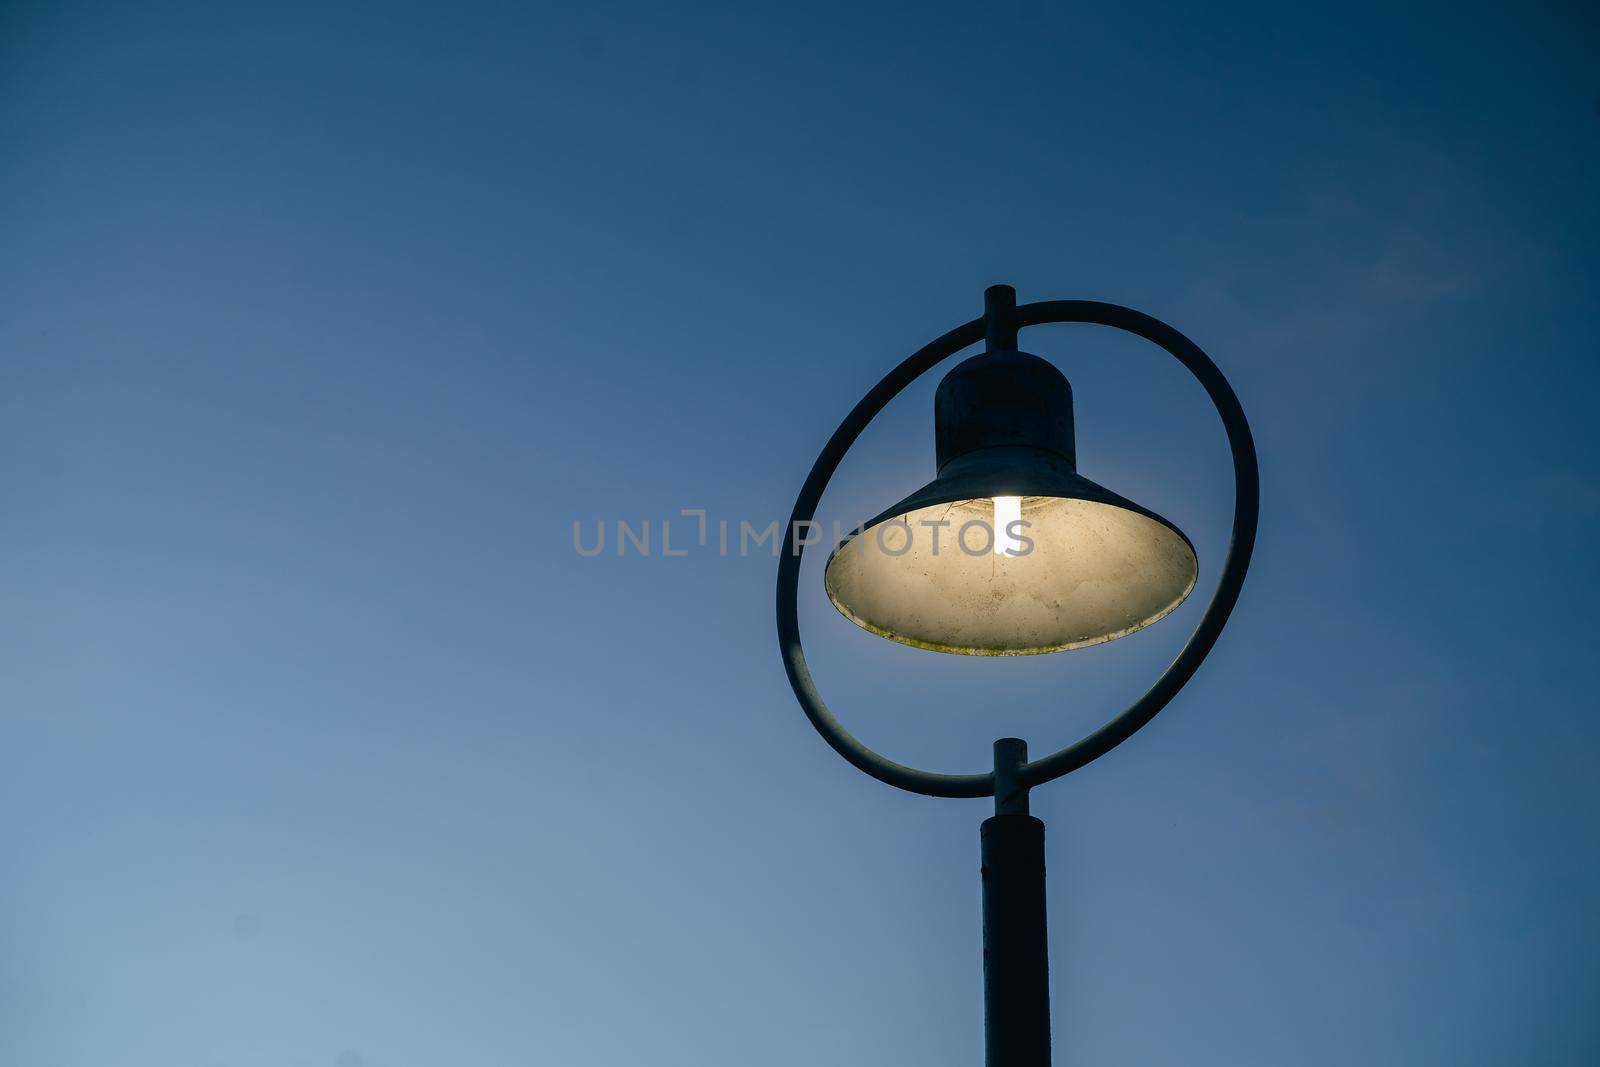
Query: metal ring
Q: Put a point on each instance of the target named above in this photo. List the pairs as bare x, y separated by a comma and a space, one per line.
1246, 506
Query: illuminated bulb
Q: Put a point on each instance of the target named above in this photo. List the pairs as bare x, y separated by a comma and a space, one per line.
1007, 510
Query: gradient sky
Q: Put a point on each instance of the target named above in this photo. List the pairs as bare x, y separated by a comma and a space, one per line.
321, 324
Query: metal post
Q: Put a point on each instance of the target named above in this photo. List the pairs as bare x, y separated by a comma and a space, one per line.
1000, 318
1016, 968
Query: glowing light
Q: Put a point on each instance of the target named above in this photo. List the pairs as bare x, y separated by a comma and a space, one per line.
1007, 509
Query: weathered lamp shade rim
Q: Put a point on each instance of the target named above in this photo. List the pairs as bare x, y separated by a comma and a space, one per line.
962, 650
1042, 479
969, 650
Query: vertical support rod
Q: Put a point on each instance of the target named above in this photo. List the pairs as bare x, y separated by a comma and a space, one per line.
1016, 967
1010, 795
1000, 318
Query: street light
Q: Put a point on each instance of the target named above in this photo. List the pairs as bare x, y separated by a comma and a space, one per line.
1095, 567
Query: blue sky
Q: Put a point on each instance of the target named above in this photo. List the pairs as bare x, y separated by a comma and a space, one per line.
323, 323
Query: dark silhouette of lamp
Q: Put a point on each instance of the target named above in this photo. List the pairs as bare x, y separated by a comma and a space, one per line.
1032, 557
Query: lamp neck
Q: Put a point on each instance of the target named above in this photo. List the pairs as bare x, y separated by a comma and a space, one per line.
1003, 399
1000, 318
1010, 794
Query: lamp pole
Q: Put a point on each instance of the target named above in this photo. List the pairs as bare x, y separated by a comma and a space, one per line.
1016, 964
1015, 955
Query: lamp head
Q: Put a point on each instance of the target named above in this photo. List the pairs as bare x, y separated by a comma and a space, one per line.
1009, 550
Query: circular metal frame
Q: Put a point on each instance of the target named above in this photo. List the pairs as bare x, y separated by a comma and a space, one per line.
1247, 493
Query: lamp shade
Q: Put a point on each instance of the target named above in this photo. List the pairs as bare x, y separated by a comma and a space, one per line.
1009, 551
